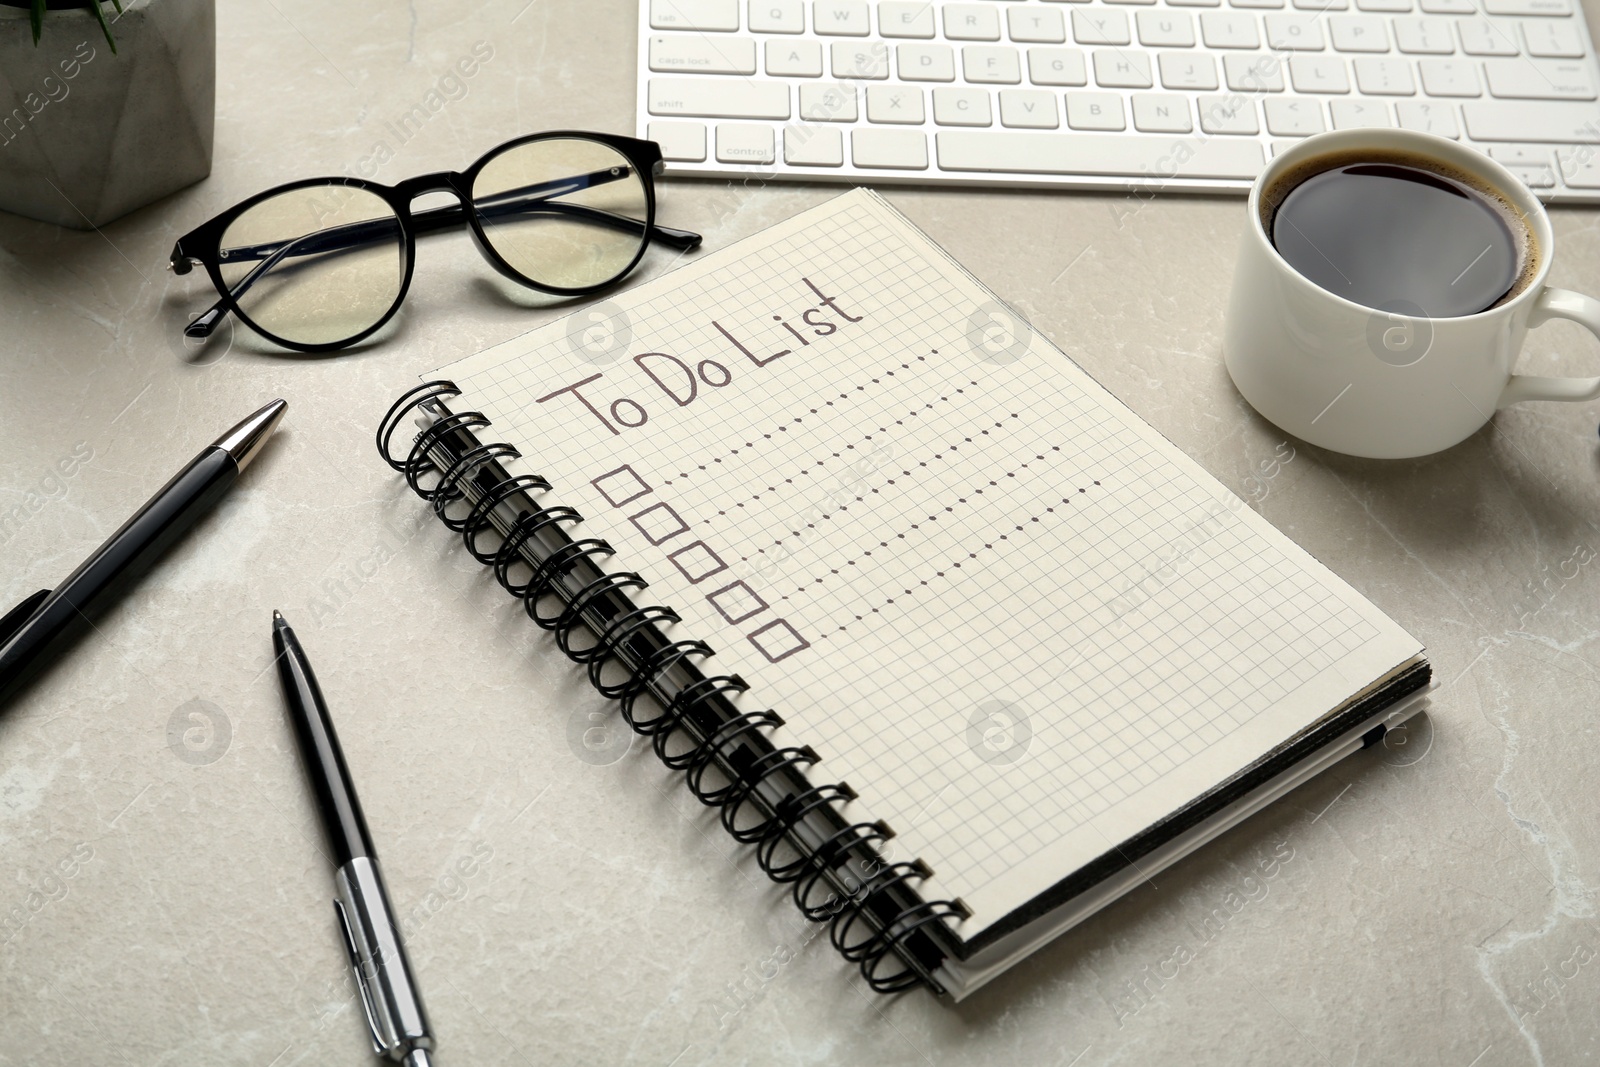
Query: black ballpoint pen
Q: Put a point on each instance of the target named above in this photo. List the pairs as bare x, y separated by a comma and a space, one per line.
377, 954
49, 620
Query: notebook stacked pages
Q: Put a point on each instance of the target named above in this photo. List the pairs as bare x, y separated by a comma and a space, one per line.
1041, 645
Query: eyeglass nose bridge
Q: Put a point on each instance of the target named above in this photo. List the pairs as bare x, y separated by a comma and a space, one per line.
444, 216
444, 181
451, 216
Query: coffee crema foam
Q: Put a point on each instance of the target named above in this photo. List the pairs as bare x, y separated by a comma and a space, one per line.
1528, 252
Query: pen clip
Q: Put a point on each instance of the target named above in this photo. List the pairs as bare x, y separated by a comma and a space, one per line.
17, 617
363, 987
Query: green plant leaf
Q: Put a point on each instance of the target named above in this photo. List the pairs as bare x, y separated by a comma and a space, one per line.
100, 16
36, 19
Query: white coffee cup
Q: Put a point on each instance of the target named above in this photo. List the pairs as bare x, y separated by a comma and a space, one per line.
1383, 384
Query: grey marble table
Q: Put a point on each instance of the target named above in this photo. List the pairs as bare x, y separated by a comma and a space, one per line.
164, 899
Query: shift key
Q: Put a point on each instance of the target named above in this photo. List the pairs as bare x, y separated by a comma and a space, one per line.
719, 98
1552, 122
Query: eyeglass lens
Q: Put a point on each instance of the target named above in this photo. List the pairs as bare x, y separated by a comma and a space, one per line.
564, 212
317, 265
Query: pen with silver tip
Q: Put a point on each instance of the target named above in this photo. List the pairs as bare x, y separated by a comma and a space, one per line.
49, 621
389, 994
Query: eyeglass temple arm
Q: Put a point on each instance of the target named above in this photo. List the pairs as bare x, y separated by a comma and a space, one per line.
207, 322
523, 200
512, 201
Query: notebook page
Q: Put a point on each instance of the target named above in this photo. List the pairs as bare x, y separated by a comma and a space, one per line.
1019, 622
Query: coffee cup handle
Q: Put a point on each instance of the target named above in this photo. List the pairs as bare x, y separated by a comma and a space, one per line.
1556, 304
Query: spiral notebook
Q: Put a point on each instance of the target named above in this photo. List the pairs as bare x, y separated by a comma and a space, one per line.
962, 647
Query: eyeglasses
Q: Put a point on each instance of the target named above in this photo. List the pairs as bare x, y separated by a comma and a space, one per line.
319, 264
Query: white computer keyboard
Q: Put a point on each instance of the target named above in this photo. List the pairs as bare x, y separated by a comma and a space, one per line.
1108, 94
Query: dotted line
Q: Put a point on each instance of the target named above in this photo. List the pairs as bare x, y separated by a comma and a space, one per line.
933, 518
902, 474
848, 448
952, 566
801, 418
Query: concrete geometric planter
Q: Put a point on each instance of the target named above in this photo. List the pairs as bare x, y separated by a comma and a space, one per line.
87, 136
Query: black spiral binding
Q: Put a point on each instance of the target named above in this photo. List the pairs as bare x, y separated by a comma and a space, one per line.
838, 872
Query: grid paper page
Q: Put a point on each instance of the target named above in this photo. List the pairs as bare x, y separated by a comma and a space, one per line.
1018, 621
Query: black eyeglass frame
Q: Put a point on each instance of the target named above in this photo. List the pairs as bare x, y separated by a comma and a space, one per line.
202, 246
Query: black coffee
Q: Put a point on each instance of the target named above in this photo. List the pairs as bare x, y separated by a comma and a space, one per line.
1399, 237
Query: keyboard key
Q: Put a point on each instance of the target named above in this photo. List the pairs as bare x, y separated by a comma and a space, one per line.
1253, 73
1228, 29
1194, 3
1321, 6
1357, 114
1165, 29
1424, 36
694, 15
1030, 24
1533, 165
688, 54
718, 98
1255, 3
926, 62
1161, 113
1383, 77
899, 19
828, 103
794, 59
1098, 154
1552, 123
741, 142
1538, 79
1449, 7
1449, 77
1360, 33
1056, 66
841, 18
1293, 117
1527, 7
683, 142
1480, 37
1029, 109
1552, 40
1520, 155
1296, 32
1428, 117
961, 107
1095, 111
1144, 2
1116, 69
813, 146
890, 149
1318, 74
1394, 6
1580, 167
1098, 26
1187, 70
869, 62
1227, 114
777, 16
971, 22
991, 64
894, 104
